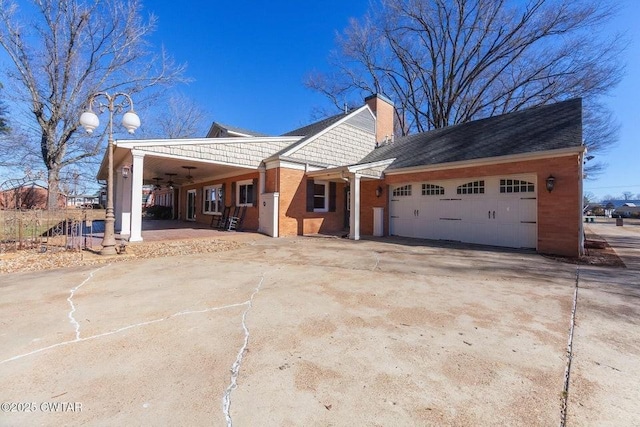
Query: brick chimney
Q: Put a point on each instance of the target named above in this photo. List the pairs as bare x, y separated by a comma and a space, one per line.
384, 111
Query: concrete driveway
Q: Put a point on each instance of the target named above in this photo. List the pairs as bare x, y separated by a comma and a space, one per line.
308, 331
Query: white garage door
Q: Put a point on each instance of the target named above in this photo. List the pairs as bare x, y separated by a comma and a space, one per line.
498, 211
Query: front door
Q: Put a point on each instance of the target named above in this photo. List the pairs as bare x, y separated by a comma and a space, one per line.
191, 205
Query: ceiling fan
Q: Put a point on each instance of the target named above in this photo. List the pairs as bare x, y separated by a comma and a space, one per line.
170, 181
157, 185
189, 177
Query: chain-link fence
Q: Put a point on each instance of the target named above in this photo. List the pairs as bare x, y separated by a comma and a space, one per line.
64, 229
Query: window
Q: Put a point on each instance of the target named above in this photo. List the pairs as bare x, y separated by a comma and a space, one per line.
516, 186
475, 187
320, 196
432, 190
213, 199
402, 191
244, 195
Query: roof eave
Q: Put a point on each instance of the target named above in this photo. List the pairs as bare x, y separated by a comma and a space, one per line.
344, 171
136, 143
490, 160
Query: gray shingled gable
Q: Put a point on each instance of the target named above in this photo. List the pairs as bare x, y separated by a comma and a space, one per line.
244, 152
542, 128
236, 129
309, 131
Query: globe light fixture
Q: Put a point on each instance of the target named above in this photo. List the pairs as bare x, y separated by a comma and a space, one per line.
90, 121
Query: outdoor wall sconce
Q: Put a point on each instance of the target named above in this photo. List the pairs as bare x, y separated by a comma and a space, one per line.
378, 191
551, 182
125, 171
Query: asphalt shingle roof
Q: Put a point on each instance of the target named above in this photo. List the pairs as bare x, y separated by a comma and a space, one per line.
238, 129
542, 128
309, 131
316, 127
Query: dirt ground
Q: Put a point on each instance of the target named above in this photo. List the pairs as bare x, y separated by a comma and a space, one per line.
314, 331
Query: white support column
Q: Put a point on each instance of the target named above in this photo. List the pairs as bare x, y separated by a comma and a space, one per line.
262, 181
354, 219
136, 196
123, 203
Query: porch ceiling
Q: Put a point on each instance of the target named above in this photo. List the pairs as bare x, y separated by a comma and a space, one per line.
160, 166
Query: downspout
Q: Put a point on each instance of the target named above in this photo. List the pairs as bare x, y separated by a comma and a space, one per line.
581, 202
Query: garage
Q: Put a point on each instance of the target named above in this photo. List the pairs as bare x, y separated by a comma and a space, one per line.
495, 210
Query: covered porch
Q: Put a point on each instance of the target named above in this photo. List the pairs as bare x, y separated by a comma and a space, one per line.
180, 169
366, 191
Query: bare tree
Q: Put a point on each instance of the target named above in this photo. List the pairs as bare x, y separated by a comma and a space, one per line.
65, 50
445, 62
180, 117
588, 197
627, 195
4, 126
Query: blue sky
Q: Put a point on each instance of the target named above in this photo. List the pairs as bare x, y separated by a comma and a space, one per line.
249, 59
623, 159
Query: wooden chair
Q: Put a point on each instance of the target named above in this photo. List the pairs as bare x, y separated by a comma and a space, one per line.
236, 220
221, 221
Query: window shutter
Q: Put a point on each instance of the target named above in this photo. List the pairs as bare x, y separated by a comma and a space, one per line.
332, 197
309, 195
234, 186
223, 199
255, 192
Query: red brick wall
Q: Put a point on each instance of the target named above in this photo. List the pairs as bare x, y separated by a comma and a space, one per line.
270, 178
294, 218
28, 197
559, 214
251, 216
384, 113
369, 200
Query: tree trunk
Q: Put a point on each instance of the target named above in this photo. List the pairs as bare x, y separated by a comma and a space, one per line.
54, 188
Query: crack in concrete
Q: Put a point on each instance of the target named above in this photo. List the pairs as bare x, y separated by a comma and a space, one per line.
567, 371
235, 368
72, 319
124, 328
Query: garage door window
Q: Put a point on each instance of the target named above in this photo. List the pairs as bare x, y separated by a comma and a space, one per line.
432, 190
405, 190
516, 186
475, 187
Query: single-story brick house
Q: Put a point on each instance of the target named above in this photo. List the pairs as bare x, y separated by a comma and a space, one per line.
29, 195
482, 182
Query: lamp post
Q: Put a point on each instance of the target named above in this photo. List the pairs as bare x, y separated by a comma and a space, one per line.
130, 120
